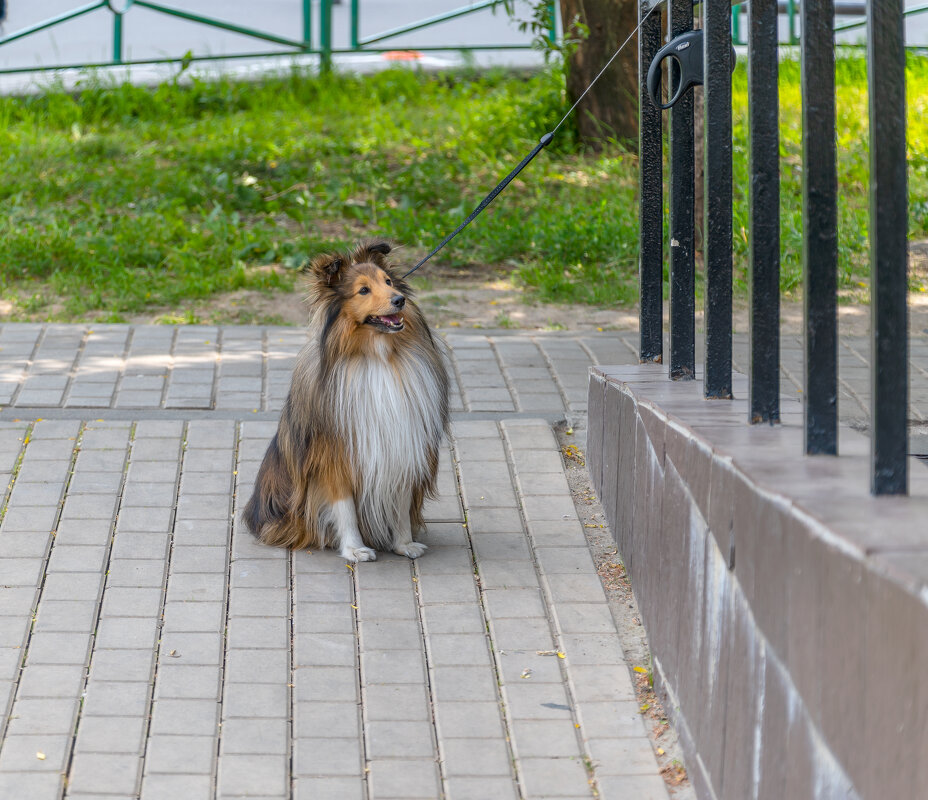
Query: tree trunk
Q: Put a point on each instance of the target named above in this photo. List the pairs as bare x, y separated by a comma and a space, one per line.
610, 109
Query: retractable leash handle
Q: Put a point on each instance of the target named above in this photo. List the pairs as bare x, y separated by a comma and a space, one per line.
686, 50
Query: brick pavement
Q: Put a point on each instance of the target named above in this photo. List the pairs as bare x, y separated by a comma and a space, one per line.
150, 648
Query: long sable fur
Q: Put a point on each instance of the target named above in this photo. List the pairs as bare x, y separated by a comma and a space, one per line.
309, 463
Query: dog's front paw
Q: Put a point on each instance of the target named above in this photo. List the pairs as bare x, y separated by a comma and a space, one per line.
411, 549
358, 554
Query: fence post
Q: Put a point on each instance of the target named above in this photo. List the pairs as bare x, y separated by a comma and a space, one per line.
819, 226
682, 209
325, 35
552, 15
888, 248
650, 209
117, 36
763, 107
718, 197
307, 24
354, 24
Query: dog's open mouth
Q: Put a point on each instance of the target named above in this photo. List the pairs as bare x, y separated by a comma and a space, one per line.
390, 322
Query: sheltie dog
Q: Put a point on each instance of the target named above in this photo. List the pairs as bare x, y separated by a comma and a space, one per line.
356, 450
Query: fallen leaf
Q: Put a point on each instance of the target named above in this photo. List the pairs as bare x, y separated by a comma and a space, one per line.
660, 751
174, 654
40, 755
644, 707
643, 670
350, 567
561, 655
353, 606
526, 673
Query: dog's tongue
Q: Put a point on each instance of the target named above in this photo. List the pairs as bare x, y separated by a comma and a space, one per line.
391, 320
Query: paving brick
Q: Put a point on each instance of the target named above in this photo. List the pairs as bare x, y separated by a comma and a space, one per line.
132, 602
330, 719
62, 681
105, 773
178, 755
143, 519
43, 716
537, 701
84, 532
474, 684
34, 785
515, 603
252, 775
329, 788
544, 738
332, 684
387, 604
459, 649
554, 777
468, 720
20, 753
256, 700
259, 737
391, 739
128, 633
28, 545
86, 587
116, 698
454, 618
393, 666
408, 779
257, 632
58, 648
193, 587
641, 787
276, 603
530, 633
191, 616
191, 717
183, 681
77, 558
18, 600
482, 788
135, 572
475, 757
173, 787
400, 702
193, 648
327, 756
122, 665
390, 634
593, 648
626, 756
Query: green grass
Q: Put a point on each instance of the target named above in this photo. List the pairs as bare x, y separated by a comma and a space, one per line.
119, 199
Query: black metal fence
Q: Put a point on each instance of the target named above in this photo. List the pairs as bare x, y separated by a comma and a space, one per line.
888, 212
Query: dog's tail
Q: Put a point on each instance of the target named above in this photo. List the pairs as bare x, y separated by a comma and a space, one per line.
268, 504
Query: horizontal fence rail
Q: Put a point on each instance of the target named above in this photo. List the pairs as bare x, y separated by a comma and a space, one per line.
377, 43
820, 195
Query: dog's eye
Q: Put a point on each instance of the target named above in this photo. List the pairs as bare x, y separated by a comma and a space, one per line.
389, 282
364, 290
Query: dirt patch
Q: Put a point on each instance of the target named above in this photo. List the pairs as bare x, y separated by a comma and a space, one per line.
625, 612
492, 299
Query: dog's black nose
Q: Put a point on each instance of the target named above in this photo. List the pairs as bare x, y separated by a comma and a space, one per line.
398, 301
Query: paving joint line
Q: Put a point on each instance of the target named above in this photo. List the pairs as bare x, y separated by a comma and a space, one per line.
72, 370
14, 473
126, 350
453, 359
507, 382
552, 369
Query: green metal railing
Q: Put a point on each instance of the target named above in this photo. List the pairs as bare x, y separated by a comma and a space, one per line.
325, 49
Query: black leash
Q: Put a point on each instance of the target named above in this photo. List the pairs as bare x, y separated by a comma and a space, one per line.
542, 143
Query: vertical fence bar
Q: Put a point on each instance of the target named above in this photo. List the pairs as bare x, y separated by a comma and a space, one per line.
791, 17
736, 24
307, 24
820, 226
764, 385
325, 35
888, 249
117, 37
718, 196
354, 24
682, 209
552, 16
650, 213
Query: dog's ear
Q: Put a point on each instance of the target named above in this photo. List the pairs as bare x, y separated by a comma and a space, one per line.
326, 268
373, 252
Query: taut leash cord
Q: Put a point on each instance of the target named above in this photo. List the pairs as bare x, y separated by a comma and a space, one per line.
542, 143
